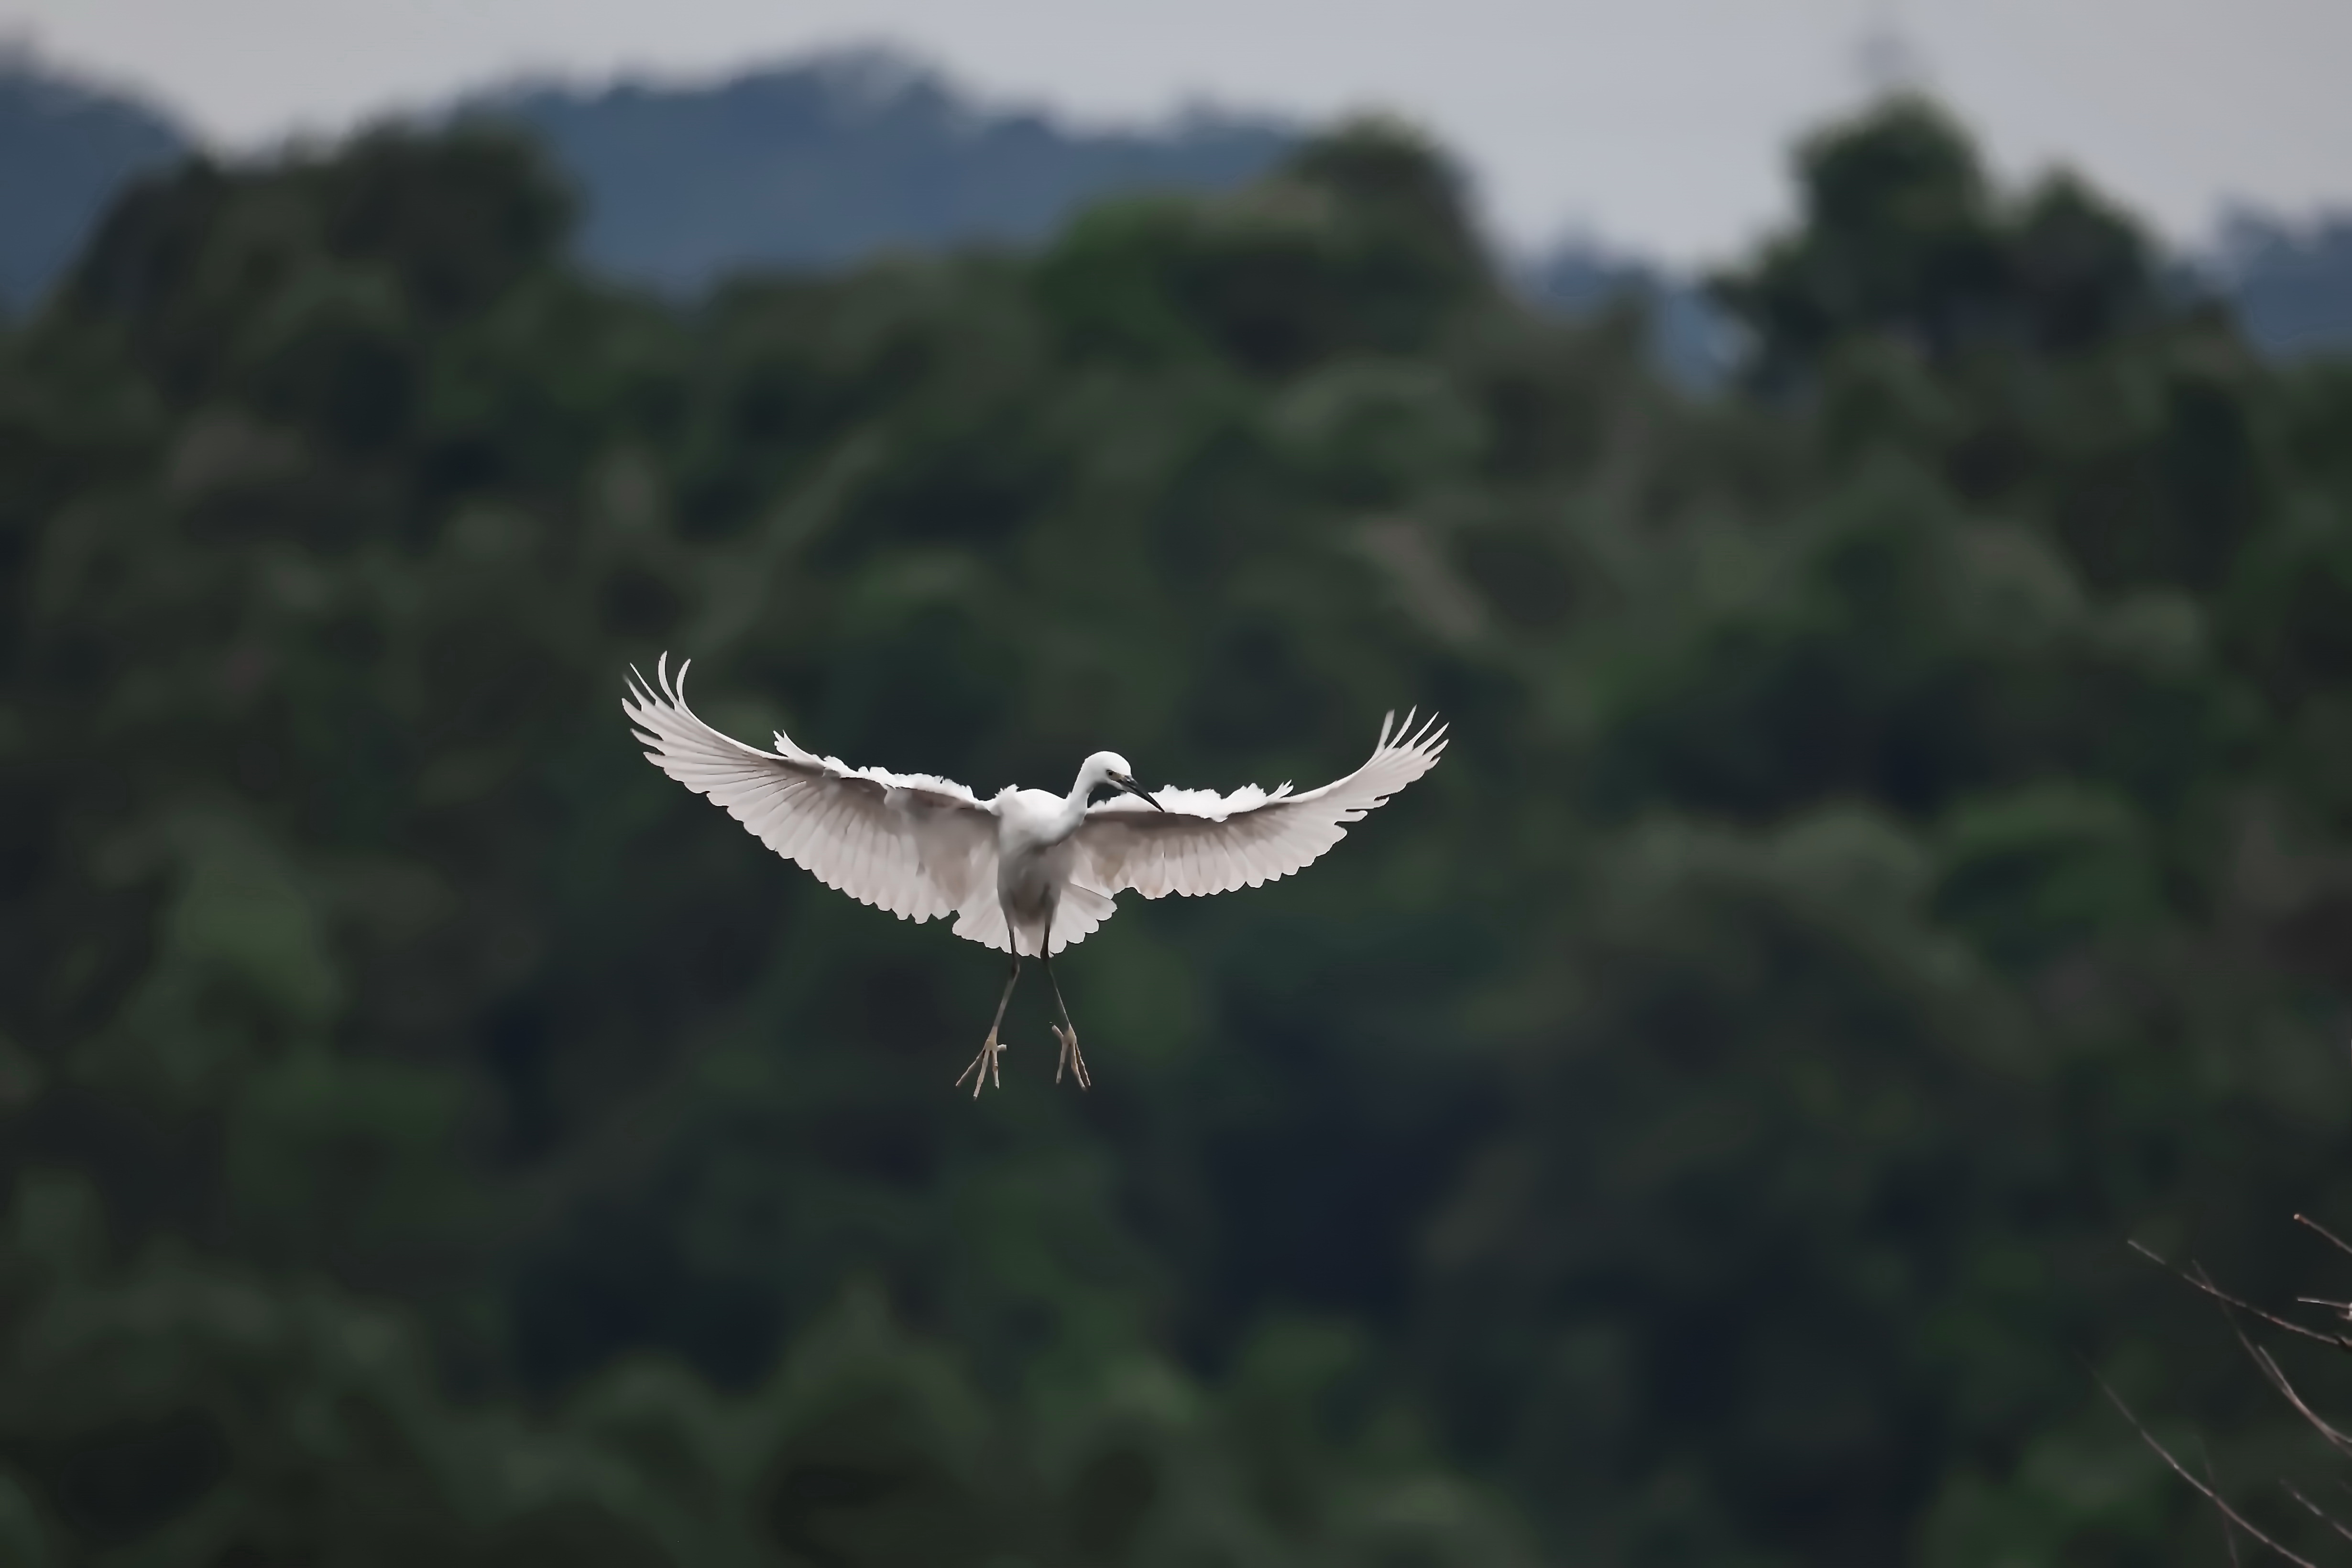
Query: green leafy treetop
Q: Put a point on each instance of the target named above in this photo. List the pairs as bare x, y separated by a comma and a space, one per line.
1904, 238
1893, 848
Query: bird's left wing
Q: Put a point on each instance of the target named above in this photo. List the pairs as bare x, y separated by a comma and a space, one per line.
1202, 842
916, 845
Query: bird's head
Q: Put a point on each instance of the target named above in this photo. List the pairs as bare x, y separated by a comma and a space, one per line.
1110, 768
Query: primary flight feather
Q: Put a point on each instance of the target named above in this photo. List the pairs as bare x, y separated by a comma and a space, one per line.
1027, 872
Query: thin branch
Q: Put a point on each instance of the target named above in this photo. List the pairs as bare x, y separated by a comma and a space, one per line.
2198, 1281
2316, 1511
2335, 1240
2272, 1372
2206, 1492
2278, 1380
2228, 1536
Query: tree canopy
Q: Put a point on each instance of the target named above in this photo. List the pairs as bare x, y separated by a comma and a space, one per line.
1893, 850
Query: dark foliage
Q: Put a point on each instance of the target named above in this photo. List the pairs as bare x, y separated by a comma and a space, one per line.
1893, 848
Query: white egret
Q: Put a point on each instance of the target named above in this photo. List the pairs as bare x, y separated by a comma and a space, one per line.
1028, 872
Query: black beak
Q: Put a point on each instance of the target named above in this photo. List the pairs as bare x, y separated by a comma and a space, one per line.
1131, 787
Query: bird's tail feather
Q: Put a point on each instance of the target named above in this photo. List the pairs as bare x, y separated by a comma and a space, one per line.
1082, 910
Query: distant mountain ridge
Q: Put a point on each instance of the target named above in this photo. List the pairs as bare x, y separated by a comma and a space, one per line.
820, 161
2291, 283
811, 163
66, 147
819, 164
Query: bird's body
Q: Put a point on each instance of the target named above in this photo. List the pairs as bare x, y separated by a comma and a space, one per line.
1035, 853
1027, 872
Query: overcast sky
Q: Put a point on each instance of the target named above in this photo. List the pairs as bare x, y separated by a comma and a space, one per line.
1659, 125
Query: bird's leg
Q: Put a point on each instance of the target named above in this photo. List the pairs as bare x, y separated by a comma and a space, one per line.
984, 1066
1066, 1031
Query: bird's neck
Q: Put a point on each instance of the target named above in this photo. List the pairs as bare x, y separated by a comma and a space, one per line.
1074, 809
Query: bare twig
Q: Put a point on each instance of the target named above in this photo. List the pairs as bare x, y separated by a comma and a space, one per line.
2317, 1512
2198, 1281
2228, 1536
2334, 1240
2286, 1390
2203, 1490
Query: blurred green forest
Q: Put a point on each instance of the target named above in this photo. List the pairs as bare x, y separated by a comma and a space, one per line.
1897, 845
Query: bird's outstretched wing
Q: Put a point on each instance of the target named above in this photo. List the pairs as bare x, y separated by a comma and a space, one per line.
915, 846
1203, 842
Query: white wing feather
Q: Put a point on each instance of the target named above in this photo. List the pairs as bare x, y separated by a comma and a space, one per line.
1210, 843
916, 845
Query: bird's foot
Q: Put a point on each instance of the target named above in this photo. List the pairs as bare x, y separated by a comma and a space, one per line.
1072, 1057
986, 1069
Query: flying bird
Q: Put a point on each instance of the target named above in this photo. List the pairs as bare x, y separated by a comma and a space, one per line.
1028, 872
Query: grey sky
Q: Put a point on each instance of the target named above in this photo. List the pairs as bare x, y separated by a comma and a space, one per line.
1656, 124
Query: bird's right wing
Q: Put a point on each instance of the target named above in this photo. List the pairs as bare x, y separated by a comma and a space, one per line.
1202, 842
915, 846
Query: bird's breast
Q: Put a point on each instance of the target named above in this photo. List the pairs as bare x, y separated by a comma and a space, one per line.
1031, 881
